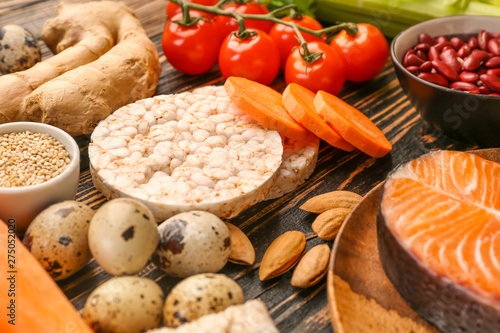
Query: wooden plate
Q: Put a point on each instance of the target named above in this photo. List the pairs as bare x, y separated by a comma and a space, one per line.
361, 298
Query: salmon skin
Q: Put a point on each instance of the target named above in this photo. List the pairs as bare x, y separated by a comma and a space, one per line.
438, 232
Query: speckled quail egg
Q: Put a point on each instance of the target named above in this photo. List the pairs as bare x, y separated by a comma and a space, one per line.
122, 236
57, 237
125, 304
19, 49
199, 295
191, 243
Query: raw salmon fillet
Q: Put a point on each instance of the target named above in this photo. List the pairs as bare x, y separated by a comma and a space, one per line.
444, 209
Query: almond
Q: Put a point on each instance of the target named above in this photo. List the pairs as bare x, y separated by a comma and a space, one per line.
282, 255
327, 225
336, 199
312, 267
242, 250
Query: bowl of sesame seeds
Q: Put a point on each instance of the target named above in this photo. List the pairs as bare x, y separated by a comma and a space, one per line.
39, 166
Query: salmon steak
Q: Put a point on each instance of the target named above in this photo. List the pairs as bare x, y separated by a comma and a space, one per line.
439, 239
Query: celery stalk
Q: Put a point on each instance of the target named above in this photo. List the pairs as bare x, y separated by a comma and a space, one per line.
392, 16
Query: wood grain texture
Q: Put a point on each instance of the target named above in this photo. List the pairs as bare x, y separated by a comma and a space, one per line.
293, 309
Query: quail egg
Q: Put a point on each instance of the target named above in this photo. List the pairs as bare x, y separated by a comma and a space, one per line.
57, 237
199, 295
125, 304
191, 243
122, 236
19, 49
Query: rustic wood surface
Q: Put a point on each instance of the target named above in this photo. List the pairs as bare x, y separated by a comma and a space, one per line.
293, 309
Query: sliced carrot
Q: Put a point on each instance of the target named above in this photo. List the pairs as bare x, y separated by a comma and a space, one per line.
299, 102
264, 104
352, 124
29, 297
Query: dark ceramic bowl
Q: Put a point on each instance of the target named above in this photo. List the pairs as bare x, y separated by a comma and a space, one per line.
462, 116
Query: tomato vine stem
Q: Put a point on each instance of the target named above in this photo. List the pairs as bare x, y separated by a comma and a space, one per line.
326, 33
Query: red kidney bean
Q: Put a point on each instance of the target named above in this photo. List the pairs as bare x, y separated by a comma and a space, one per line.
449, 56
440, 46
469, 77
491, 81
433, 53
445, 70
492, 62
495, 35
405, 59
441, 39
465, 86
421, 54
413, 69
426, 66
473, 43
434, 78
483, 90
493, 71
422, 47
474, 61
494, 94
482, 39
446, 48
494, 46
464, 51
457, 43
426, 38
414, 60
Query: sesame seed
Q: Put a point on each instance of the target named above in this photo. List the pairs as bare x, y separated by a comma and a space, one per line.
28, 158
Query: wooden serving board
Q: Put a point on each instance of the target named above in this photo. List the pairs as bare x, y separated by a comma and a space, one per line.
293, 309
361, 297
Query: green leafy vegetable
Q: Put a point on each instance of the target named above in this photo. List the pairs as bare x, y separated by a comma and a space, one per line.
305, 7
393, 16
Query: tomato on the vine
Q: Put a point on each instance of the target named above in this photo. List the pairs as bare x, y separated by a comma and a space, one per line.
227, 24
256, 58
327, 73
365, 54
191, 49
173, 8
286, 38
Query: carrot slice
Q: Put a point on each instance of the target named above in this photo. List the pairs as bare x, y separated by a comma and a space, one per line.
352, 124
29, 296
299, 102
264, 104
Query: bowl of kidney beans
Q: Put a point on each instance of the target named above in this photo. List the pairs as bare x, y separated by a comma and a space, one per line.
449, 68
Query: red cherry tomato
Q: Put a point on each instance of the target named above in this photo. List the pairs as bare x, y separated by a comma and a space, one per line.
191, 50
256, 58
365, 54
285, 36
227, 24
327, 73
173, 9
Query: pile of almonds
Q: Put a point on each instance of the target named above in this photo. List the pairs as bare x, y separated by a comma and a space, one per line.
289, 249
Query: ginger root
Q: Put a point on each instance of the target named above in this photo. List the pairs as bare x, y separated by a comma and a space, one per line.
104, 60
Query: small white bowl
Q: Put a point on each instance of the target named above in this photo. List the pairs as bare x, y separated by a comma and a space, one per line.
22, 204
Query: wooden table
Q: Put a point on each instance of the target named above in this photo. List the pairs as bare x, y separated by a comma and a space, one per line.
293, 309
